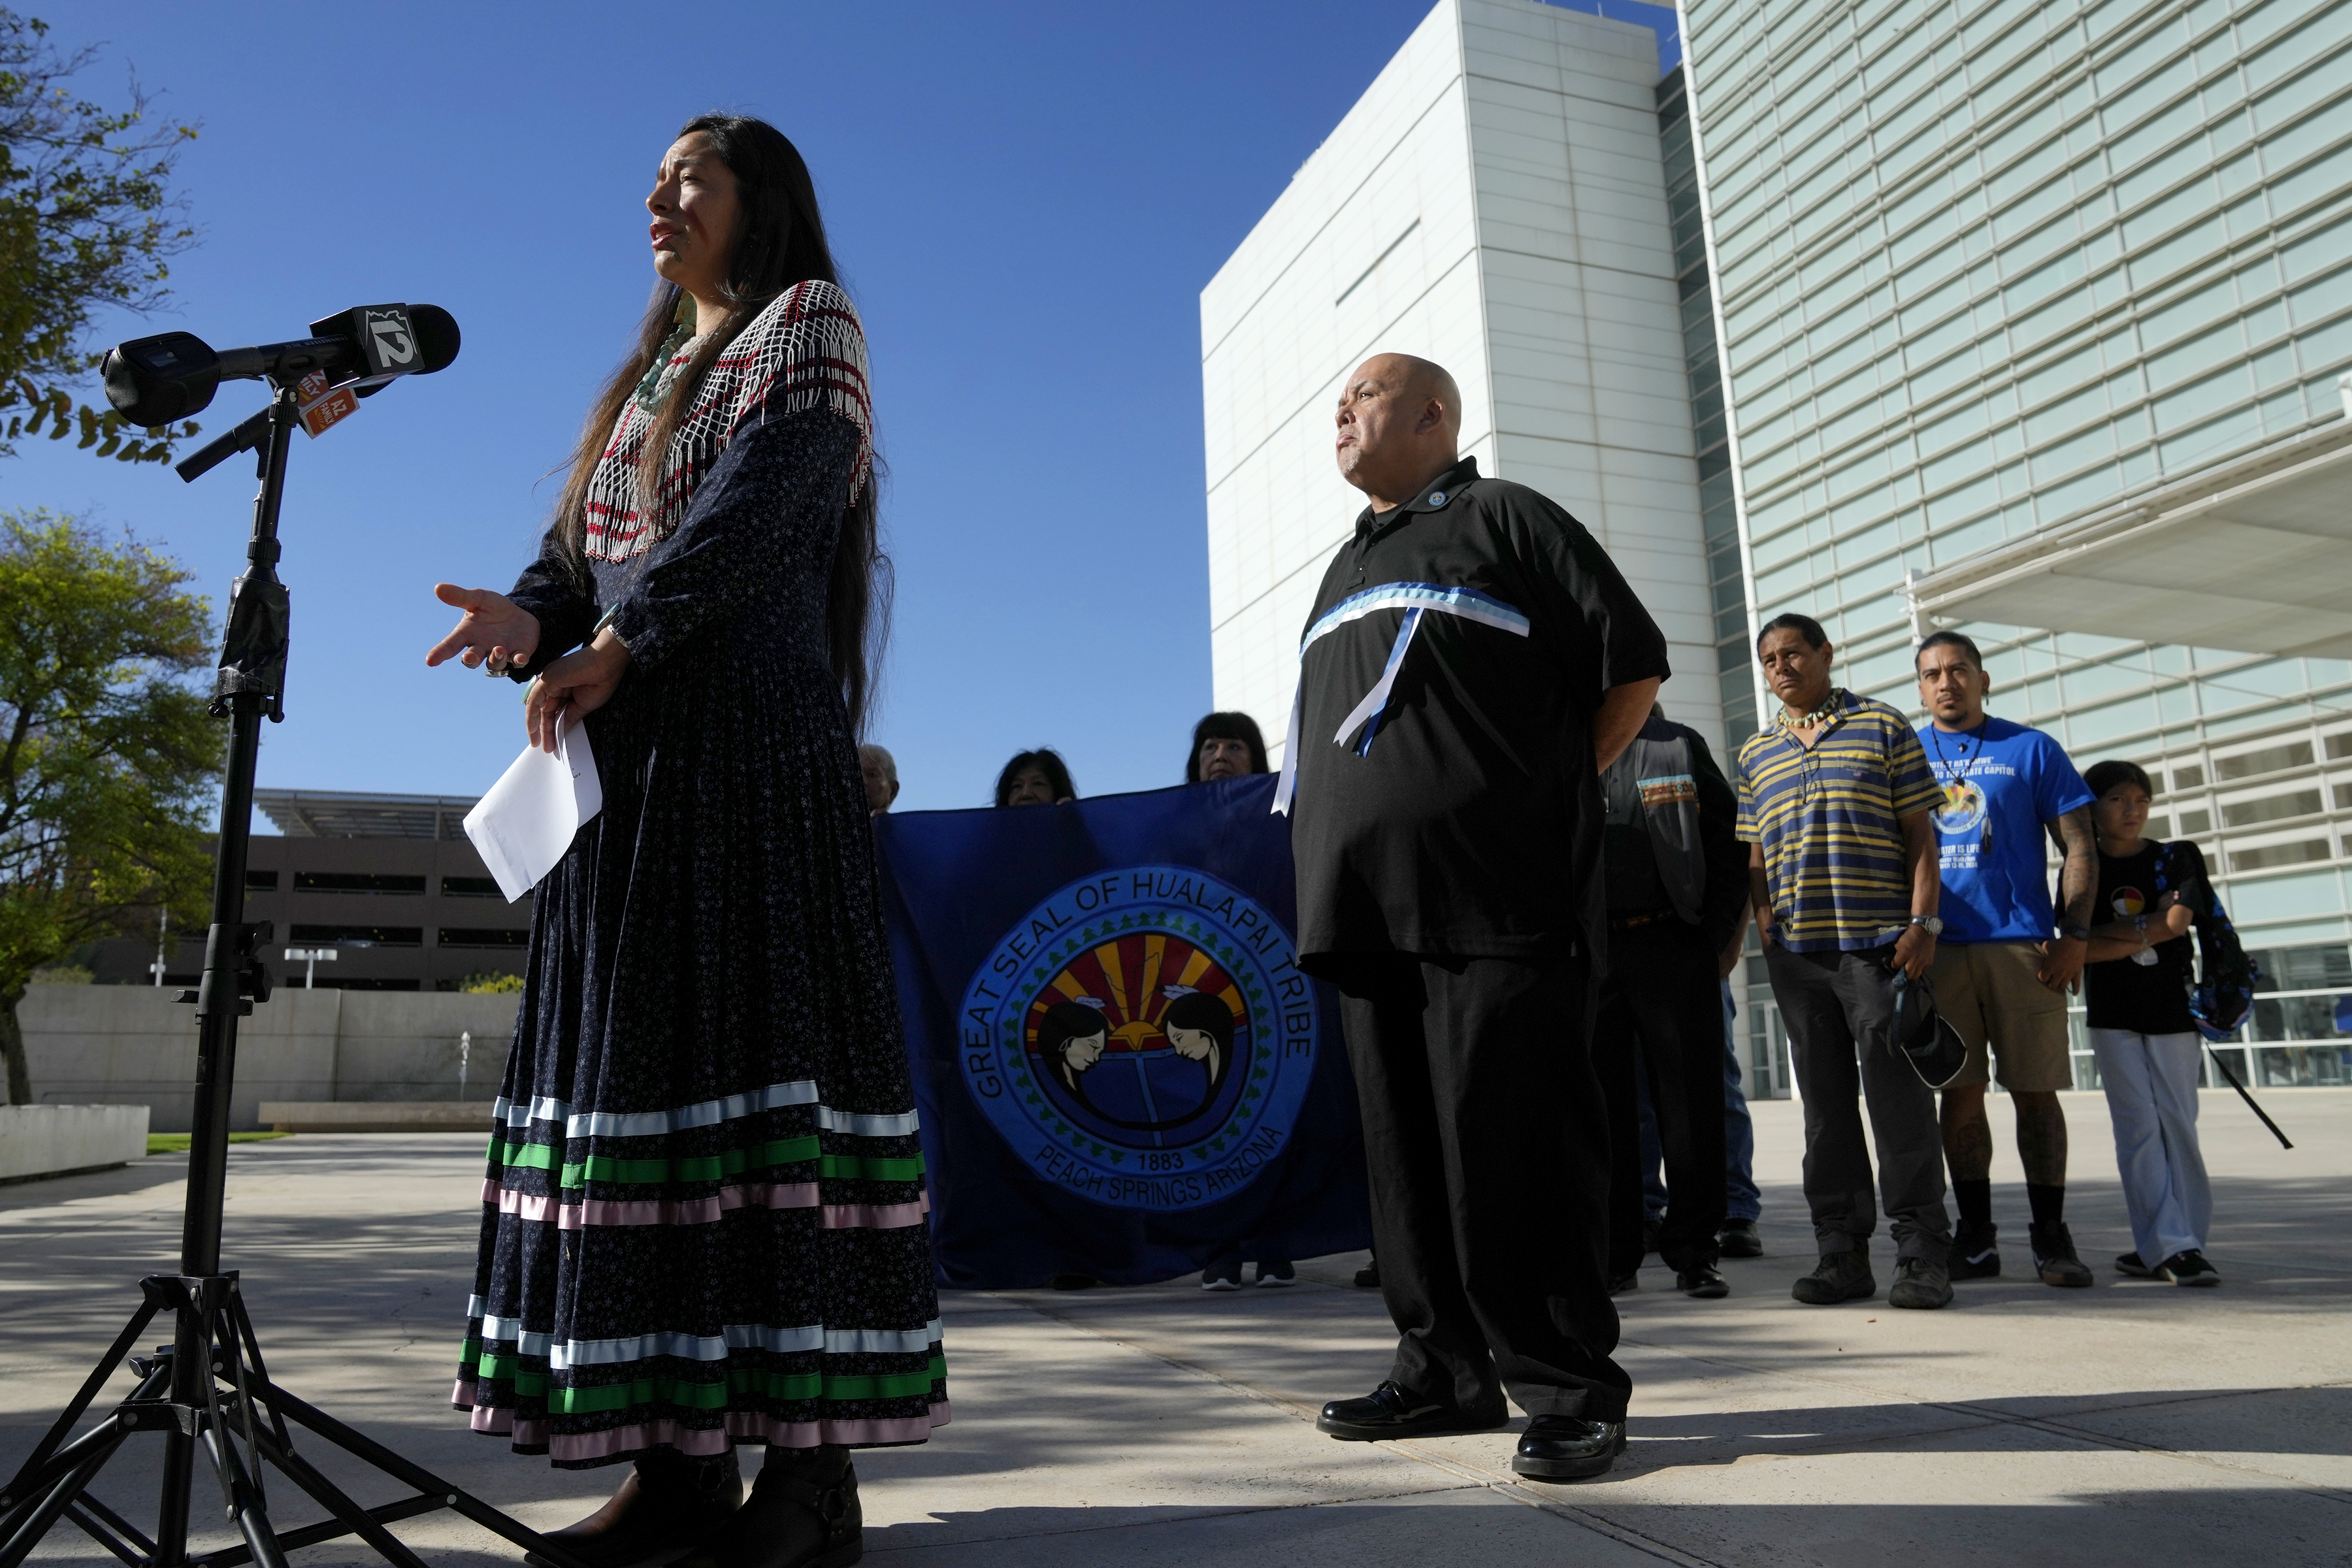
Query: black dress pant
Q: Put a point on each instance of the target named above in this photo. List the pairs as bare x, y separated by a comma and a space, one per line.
1488, 1149
1662, 1013
1836, 1007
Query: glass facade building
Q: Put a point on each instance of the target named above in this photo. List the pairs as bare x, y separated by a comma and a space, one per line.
1727, 568
1988, 270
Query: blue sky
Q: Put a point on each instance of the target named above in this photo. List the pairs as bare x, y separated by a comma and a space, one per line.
1026, 201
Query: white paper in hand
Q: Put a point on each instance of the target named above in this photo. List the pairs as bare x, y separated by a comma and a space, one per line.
524, 825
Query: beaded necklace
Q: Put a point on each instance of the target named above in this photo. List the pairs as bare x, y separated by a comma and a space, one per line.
1817, 718
653, 386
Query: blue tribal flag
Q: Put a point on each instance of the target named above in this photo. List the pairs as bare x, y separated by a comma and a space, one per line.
1120, 1070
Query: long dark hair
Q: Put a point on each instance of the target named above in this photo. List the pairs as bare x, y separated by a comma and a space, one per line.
779, 241
1199, 1010
1047, 760
2101, 777
1065, 1022
1226, 727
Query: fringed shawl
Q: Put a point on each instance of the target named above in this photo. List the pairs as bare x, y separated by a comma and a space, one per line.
805, 349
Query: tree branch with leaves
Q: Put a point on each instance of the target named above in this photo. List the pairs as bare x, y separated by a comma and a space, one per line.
87, 220
106, 752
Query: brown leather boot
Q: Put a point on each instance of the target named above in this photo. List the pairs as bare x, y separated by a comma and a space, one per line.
803, 1513
668, 1505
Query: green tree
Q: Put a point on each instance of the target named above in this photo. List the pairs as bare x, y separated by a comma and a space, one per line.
87, 220
106, 750
490, 983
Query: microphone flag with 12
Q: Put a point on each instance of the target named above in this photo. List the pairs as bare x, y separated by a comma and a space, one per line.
155, 380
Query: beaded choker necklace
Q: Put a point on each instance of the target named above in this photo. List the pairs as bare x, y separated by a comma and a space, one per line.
1817, 718
653, 387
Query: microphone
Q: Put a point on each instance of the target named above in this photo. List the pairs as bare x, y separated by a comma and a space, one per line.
154, 381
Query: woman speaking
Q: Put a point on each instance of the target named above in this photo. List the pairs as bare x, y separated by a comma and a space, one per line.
705, 1220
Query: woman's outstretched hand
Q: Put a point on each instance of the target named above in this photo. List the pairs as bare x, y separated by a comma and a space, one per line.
494, 628
574, 687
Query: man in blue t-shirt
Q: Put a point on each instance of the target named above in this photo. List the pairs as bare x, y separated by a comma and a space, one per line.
2001, 973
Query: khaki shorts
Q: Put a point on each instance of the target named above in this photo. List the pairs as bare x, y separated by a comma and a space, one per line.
1988, 991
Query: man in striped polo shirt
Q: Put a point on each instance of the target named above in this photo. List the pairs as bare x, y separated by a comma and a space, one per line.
1836, 797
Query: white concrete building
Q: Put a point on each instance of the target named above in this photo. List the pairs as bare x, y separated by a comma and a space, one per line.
1494, 202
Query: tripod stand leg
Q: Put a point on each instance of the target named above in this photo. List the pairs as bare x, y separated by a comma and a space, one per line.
30, 1483
34, 1518
303, 1473
96, 1519
73, 1413
245, 1509
361, 1447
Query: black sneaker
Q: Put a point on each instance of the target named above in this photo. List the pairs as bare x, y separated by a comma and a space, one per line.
2187, 1267
1920, 1284
1368, 1277
1738, 1239
1973, 1254
1390, 1412
2054, 1258
1624, 1284
1840, 1277
2130, 1263
1273, 1271
1225, 1274
1704, 1282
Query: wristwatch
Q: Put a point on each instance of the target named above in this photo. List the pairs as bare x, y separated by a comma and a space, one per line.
2075, 933
1929, 924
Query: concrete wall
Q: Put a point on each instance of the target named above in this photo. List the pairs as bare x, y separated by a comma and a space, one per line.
50, 1139
133, 1045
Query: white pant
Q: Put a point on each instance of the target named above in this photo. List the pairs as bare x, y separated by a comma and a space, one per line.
2152, 1084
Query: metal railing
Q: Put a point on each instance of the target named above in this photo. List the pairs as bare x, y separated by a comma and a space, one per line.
2292, 1059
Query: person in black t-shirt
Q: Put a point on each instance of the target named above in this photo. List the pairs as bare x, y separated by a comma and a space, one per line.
1677, 904
1472, 661
2135, 988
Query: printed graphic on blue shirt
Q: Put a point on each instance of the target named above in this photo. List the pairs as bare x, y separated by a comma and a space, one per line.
2003, 784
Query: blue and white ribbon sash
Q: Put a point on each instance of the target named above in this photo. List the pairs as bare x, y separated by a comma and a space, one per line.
1415, 599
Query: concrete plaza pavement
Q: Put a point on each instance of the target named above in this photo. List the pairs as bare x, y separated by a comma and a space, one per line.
1168, 1426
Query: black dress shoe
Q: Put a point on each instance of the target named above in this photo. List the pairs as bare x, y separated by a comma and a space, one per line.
1704, 1282
1390, 1412
1567, 1448
1738, 1239
803, 1513
667, 1504
1624, 1284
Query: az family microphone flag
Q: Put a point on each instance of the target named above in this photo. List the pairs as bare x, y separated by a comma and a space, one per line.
1120, 1070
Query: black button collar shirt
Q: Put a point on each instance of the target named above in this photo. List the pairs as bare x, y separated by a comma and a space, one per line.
1470, 823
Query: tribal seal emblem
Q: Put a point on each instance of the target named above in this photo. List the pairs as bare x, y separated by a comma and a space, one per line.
1964, 808
1143, 1037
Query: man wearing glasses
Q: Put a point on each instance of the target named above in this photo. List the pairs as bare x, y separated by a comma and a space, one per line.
1837, 798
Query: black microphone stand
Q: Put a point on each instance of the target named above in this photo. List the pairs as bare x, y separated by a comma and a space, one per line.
209, 1391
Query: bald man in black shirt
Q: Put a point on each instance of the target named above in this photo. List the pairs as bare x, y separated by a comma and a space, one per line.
1473, 660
